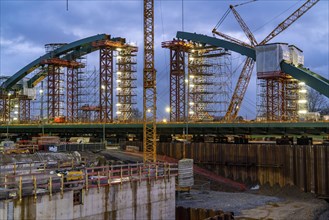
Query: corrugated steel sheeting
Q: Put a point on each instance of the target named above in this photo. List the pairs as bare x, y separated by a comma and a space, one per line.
303, 166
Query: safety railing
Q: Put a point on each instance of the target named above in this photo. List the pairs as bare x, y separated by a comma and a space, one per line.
58, 181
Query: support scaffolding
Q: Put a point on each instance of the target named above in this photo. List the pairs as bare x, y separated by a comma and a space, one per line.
106, 84
55, 96
178, 50
126, 82
4, 102
54, 91
278, 97
209, 81
24, 109
90, 108
72, 94
220, 77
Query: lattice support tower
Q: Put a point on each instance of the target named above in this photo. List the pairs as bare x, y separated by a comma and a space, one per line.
278, 98
219, 77
5, 106
106, 84
88, 87
178, 52
24, 109
209, 86
126, 82
198, 83
149, 85
72, 92
55, 93
82, 94
55, 75
4, 102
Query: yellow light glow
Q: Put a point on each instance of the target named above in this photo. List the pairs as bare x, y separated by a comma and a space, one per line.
302, 101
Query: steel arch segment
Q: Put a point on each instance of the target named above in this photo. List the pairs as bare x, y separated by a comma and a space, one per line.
56, 53
200, 38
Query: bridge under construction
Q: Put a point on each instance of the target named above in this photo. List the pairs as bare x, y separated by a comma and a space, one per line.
56, 96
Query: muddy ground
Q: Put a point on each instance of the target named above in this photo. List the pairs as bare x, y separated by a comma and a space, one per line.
264, 203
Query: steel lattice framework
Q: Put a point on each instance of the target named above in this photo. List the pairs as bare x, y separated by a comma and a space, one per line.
278, 98
198, 84
72, 94
54, 90
126, 82
208, 79
149, 84
106, 84
24, 108
219, 80
178, 50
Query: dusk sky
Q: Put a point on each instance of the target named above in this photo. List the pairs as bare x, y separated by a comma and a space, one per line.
27, 25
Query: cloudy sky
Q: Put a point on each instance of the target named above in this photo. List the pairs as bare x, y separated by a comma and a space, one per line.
27, 25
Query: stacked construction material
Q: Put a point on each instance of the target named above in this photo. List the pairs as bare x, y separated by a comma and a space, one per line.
185, 173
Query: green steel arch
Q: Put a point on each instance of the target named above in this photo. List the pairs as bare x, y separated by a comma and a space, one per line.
68, 52
310, 78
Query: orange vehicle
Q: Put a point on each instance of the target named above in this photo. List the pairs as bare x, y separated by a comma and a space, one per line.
59, 119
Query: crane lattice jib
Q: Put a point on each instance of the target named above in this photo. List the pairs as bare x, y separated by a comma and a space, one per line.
291, 19
244, 27
240, 90
227, 37
149, 84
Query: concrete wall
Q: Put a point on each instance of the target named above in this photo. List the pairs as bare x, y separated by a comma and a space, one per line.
132, 200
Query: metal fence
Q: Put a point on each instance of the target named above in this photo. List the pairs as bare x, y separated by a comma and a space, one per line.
52, 180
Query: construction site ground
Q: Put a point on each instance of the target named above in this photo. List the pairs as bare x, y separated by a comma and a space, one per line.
264, 202
214, 192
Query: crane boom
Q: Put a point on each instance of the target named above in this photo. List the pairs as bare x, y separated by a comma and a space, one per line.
227, 37
246, 72
240, 90
244, 78
244, 27
149, 86
291, 19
